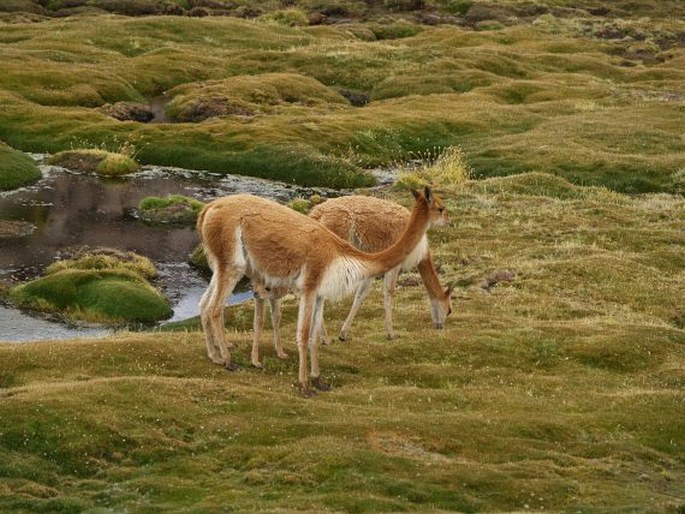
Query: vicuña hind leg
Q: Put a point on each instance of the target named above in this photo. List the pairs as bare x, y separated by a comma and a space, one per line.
212, 349
223, 286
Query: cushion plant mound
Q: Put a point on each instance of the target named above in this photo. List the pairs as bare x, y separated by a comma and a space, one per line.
16, 169
95, 161
176, 209
107, 296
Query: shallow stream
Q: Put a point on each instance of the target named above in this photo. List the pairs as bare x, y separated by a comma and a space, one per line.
71, 209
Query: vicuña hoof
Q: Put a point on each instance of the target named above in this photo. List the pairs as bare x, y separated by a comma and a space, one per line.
283, 356
305, 390
232, 366
257, 365
319, 383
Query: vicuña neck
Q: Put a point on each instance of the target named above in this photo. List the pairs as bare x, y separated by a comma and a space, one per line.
383, 261
429, 276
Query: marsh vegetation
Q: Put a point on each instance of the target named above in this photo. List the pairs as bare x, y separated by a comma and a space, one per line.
557, 383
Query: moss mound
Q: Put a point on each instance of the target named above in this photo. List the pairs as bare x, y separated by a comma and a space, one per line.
16, 169
95, 161
177, 209
108, 287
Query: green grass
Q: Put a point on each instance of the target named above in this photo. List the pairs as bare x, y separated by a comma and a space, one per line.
557, 389
16, 169
596, 99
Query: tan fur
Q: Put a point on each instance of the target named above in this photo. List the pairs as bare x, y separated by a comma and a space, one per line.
371, 224
248, 235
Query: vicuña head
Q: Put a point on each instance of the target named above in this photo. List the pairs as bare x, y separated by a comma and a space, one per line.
248, 235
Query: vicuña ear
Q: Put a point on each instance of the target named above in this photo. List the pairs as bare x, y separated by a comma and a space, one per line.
428, 194
415, 193
449, 289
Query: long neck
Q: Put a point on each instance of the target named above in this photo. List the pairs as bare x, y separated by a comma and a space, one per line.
430, 277
383, 261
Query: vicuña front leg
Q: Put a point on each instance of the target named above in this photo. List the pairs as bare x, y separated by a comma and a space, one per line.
314, 331
257, 325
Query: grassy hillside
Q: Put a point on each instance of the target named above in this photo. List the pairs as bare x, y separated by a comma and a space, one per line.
591, 91
557, 384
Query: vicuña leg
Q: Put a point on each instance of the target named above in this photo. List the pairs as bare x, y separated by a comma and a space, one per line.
389, 282
317, 320
212, 349
359, 297
257, 325
224, 283
275, 305
304, 326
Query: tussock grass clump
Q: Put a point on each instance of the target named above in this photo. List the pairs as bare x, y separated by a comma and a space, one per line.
170, 209
102, 162
16, 169
304, 205
448, 170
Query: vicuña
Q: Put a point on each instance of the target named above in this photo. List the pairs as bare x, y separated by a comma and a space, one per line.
247, 235
370, 224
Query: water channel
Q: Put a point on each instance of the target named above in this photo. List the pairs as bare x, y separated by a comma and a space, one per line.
70, 209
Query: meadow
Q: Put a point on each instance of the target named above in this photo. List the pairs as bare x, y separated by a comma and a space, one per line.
557, 383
